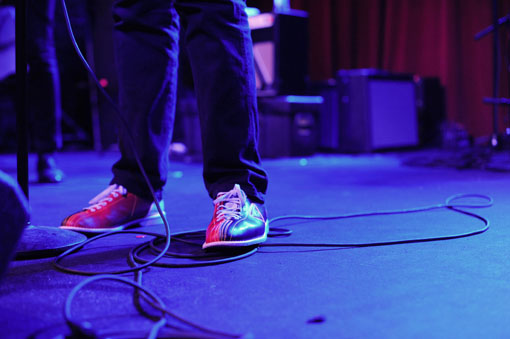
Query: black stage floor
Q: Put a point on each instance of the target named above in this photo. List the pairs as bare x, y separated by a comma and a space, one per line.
455, 288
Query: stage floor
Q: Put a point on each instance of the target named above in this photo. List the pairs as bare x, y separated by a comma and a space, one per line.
454, 288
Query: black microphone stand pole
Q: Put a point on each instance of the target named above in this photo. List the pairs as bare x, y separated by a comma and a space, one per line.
37, 241
495, 100
495, 73
21, 94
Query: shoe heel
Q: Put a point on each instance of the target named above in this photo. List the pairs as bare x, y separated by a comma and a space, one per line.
153, 217
154, 220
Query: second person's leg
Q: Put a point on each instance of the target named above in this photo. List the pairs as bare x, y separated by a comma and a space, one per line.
146, 34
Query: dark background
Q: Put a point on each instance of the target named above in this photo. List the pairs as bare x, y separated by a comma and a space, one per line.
429, 38
426, 37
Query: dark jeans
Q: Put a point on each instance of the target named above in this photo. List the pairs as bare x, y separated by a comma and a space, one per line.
217, 40
43, 77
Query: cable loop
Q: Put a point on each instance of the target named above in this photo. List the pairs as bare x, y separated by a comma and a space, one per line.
138, 262
488, 201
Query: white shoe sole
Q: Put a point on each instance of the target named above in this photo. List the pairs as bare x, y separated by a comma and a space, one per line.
153, 218
241, 243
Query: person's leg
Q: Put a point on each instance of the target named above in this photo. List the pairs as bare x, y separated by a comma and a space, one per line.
146, 34
44, 87
218, 42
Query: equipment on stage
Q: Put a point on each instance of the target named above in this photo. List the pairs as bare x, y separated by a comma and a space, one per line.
289, 125
377, 110
289, 116
497, 139
138, 263
280, 51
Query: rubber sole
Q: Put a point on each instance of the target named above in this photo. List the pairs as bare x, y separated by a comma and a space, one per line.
243, 243
145, 221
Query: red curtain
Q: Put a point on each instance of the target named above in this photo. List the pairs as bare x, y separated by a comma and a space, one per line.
424, 37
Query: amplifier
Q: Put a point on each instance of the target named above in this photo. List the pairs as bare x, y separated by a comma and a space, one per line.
377, 110
280, 51
288, 125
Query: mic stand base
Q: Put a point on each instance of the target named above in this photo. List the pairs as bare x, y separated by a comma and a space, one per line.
44, 241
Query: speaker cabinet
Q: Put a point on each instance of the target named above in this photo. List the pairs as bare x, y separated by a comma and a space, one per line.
377, 110
280, 50
288, 125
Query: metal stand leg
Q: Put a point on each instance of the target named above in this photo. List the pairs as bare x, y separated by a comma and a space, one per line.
37, 241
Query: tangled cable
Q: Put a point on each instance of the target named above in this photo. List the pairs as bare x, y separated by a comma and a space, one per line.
159, 248
194, 240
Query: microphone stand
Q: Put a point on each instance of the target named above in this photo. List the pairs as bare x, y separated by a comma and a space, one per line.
36, 241
495, 100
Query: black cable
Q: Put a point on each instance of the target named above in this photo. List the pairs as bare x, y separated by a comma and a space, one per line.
134, 256
449, 204
78, 247
138, 266
395, 242
129, 138
84, 329
151, 246
135, 253
232, 256
138, 262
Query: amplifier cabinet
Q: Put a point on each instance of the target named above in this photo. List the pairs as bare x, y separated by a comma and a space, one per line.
288, 125
280, 51
377, 110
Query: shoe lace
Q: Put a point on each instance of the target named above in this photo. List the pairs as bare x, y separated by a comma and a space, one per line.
230, 203
105, 197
